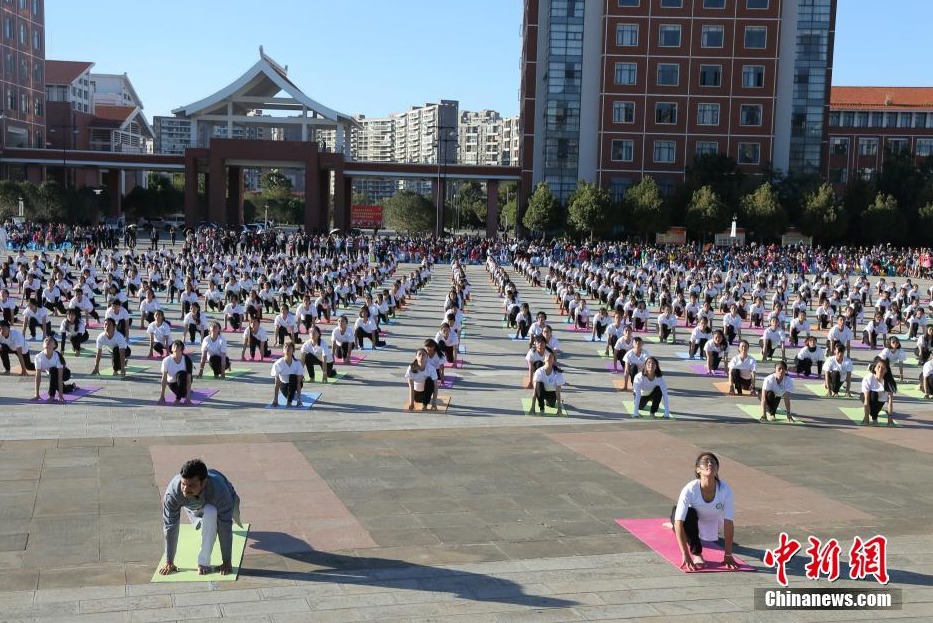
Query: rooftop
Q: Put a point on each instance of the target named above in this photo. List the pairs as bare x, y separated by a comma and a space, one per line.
887, 98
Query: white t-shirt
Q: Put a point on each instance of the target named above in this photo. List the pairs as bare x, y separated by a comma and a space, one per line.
710, 515
551, 381
813, 355
117, 341
871, 384
634, 359
894, 356
160, 333
282, 369
288, 322
418, 378
771, 384
260, 334
642, 386
834, 365
744, 366
345, 337
44, 363
172, 367
321, 351
213, 347
844, 335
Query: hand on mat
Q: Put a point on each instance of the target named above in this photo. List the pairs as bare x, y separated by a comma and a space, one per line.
201, 373
411, 406
729, 562
167, 568
161, 400
36, 397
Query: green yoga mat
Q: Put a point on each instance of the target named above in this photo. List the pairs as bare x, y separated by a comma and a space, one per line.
130, 369
628, 406
548, 411
857, 413
186, 557
341, 374
755, 412
603, 354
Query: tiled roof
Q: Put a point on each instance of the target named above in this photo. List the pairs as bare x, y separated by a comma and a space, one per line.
114, 113
887, 98
64, 72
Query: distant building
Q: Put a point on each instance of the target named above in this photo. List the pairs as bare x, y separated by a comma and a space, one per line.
374, 141
868, 123
22, 96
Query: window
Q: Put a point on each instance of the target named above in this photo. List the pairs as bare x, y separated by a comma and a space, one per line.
903, 119
24, 102
924, 147
627, 34
896, 145
618, 186
753, 76
622, 150
672, 4
664, 151
707, 114
668, 74
626, 73
756, 37
868, 147
36, 40
756, 4
714, 4
750, 114
705, 148
669, 36
749, 153
665, 112
8, 27
839, 146
838, 175
23, 34
629, 2
711, 37
710, 75
37, 106
623, 112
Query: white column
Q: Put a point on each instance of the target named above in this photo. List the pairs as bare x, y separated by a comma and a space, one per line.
339, 140
304, 123
229, 119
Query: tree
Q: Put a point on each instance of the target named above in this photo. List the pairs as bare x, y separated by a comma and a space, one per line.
470, 205
361, 199
46, 202
925, 222
645, 210
718, 171
543, 210
409, 211
822, 218
706, 214
763, 214
588, 208
276, 185
883, 221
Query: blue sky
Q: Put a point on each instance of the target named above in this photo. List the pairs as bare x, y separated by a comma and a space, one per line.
376, 56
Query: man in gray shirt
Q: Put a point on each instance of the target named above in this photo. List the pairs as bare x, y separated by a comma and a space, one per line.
212, 506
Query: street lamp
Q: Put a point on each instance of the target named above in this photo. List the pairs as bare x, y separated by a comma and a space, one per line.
74, 133
445, 135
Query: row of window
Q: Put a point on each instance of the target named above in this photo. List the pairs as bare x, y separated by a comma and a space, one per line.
668, 74
865, 119
707, 4
711, 36
707, 113
9, 31
839, 146
665, 151
21, 102
24, 3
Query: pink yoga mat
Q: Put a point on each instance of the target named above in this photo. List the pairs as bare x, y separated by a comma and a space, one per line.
197, 397
700, 368
656, 533
457, 364
621, 368
81, 392
354, 359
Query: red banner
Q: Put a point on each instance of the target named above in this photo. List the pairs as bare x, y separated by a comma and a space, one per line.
366, 216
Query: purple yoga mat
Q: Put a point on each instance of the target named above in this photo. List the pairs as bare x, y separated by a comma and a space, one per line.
198, 396
700, 368
81, 392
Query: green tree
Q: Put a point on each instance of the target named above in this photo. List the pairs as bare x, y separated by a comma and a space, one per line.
276, 185
883, 221
706, 214
718, 171
543, 210
409, 211
858, 195
925, 222
763, 214
588, 208
822, 217
644, 208
361, 199
45, 202
469, 205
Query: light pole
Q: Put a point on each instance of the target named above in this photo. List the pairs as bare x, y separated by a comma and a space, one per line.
445, 135
74, 133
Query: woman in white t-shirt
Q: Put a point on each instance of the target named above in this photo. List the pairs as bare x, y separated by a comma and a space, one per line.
289, 376
878, 389
836, 371
742, 370
546, 382
160, 334
316, 354
233, 313
214, 352
776, 386
704, 509
649, 386
195, 322
926, 379
894, 354
51, 362
342, 340
176, 374
147, 308
365, 327
422, 381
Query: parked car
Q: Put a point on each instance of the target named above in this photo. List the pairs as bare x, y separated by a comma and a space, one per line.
172, 220
115, 223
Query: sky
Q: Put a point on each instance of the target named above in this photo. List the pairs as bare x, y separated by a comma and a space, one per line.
376, 57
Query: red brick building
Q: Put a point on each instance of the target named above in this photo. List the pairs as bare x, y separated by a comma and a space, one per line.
22, 73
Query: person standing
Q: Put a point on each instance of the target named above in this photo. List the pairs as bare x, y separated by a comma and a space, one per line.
211, 504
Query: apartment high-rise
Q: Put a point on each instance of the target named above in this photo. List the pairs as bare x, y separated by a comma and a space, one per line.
373, 140
22, 73
613, 90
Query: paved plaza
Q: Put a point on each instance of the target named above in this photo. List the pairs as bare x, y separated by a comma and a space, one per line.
361, 510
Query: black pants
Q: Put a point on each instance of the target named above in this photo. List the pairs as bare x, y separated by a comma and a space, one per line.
312, 364
179, 386
291, 388
424, 396
122, 328
756, 320
159, 348
263, 347
5, 353
53, 306
696, 347
53, 380
620, 354
544, 397
665, 332
805, 366
739, 383
768, 347
117, 357
914, 327
870, 337
9, 313
193, 332
922, 354
324, 312
308, 321
835, 381
691, 530
714, 360
342, 350
654, 398
372, 337
280, 334
236, 321
795, 337
639, 324
874, 405
600, 330
150, 316
218, 364
772, 402
76, 340
34, 325
730, 333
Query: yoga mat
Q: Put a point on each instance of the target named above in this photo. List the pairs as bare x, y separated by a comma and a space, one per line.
198, 396
130, 369
186, 557
448, 382
602, 354
442, 403
458, 363
341, 374
819, 390
700, 368
512, 337
628, 405
686, 356
462, 349
910, 390
234, 373
857, 413
755, 412
620, 369
308, 398
657, 534
77, 394
354, 359
548, 411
